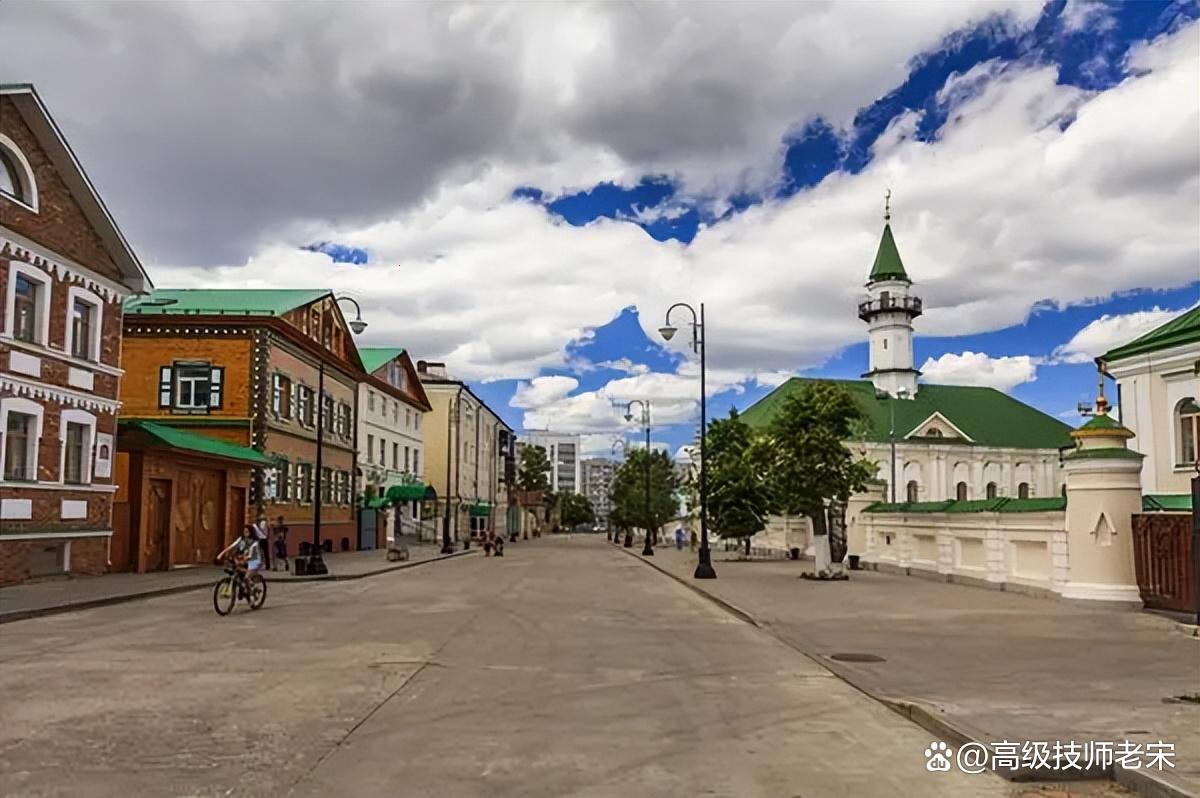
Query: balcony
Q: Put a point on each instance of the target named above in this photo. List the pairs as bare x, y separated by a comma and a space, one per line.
908, 304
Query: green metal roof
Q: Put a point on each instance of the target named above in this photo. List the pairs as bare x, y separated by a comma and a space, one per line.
375, 356
1177, 502
987, 416
222, 301
1102, 422
201, 444
888, 265
1183, 329
998, 505
1108, 453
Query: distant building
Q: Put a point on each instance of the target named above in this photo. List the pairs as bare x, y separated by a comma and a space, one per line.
565, 464
598, 474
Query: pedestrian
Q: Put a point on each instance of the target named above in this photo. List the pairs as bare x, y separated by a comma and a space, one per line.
679, 538
499, 545
488, 542
281, 557
264, 549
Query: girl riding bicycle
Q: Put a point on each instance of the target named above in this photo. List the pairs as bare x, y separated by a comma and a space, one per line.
246, 556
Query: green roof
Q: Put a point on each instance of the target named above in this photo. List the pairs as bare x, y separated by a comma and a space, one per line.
998, 505
172, 438
479, 509
888, 265
987, 416
1108, 453
1179, 502
222, 301
1183, 329
1102, 422
375, 356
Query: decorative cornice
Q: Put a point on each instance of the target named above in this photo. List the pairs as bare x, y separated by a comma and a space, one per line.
13, 246
37, 390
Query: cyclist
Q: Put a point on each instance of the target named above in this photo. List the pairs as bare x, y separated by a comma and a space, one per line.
246, 556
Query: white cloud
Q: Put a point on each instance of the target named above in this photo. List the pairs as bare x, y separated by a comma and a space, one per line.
542, 390
977, 368
1095, 15
1111, 331
1005, 209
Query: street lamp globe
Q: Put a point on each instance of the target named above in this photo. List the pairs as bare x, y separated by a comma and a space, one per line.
667, 332
357, 326
629, 416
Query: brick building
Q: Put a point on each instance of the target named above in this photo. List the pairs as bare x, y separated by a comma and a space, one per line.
243, 366
64, 270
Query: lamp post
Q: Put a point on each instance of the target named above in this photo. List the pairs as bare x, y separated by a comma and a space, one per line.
451, 415
316, 563
624, 453
704, 567
648, 548
900, 394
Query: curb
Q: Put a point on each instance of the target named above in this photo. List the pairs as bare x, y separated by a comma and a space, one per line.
87, 604
935, 722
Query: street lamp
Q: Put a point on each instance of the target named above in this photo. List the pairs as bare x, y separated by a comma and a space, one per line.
704, 568
620, 442
452, 414
648, 549
316, 563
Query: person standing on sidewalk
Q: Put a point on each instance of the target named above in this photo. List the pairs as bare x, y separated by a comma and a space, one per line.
679, 538
264, 548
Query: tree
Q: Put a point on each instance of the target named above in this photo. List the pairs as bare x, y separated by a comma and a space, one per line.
533, 470
576, 509
737, 463
629, 491
810, 467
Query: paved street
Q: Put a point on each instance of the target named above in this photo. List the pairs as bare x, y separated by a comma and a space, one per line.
566, 668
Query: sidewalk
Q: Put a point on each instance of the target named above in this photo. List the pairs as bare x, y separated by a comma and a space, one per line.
64, 595
981, 664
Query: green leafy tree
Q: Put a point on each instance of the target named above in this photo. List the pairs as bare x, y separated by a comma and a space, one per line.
810, 467
576, 509
533, 469
629, 491
739, 494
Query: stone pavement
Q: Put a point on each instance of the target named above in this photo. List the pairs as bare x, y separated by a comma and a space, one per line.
564, 669
64, 595
991, 664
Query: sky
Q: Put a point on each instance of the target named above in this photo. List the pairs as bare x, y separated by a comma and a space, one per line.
521, 190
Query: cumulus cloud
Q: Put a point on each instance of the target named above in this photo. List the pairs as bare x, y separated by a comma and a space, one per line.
977, 368
1111, 331
541, 391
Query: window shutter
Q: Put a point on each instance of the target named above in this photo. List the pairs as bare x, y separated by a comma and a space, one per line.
215, 386
164, 386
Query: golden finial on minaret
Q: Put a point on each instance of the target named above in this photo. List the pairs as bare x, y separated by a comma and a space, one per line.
1101, 401
887, 206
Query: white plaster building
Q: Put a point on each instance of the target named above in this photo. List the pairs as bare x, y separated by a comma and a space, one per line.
563, 452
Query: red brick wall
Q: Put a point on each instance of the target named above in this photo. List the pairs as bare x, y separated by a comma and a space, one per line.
59, 224
89, 557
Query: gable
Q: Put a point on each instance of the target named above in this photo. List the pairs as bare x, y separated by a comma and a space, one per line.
71, 220
938, 426
321, 320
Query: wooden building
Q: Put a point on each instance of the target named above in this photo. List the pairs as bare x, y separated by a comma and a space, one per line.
64, 270
244, 366
181, 497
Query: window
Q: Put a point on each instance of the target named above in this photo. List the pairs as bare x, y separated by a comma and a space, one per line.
326, 485
20, 447
283, 481
406, 450
396, 413
281, 397
304, 472
960, 491
885, 343
1023, 490
991, 490
83, 328
327, 414
396, 456
16, 176
10, 183
26, 301
75, 446
191, 387
912, 491
382, 452
407, 418
385, 406
371, 401
314, 323
416, 466
417, 420
305, 405
343, 420
934, 432
1188, 413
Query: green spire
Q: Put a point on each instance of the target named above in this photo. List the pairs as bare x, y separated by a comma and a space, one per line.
887, 260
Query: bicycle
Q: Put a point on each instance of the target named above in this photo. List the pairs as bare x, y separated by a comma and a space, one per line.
234, 585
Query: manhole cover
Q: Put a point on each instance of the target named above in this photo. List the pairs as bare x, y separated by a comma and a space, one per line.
854, 657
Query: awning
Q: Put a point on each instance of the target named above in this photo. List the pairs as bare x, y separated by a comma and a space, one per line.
480, 510
148, 433
412, 492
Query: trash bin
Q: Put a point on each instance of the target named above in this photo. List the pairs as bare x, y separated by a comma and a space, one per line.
794, 553
854, 566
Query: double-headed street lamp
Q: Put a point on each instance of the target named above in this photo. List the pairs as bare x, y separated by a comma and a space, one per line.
316, 563
704, 568
624, 446
648, 549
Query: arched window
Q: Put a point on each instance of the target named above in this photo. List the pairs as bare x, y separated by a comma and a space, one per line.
911, 490
991, 490
934, 432
960, 491
1023, 490
1187, 414
16, 175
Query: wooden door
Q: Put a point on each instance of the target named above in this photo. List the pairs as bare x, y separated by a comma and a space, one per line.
158, 524
209, 532
237, 515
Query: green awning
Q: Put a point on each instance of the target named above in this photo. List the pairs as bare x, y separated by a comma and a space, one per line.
375, 503
413, 492
152, 434
479, 510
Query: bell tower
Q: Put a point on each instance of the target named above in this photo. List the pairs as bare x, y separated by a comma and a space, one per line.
889, 311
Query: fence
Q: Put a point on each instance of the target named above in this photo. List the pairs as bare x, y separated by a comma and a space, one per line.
1162, 552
